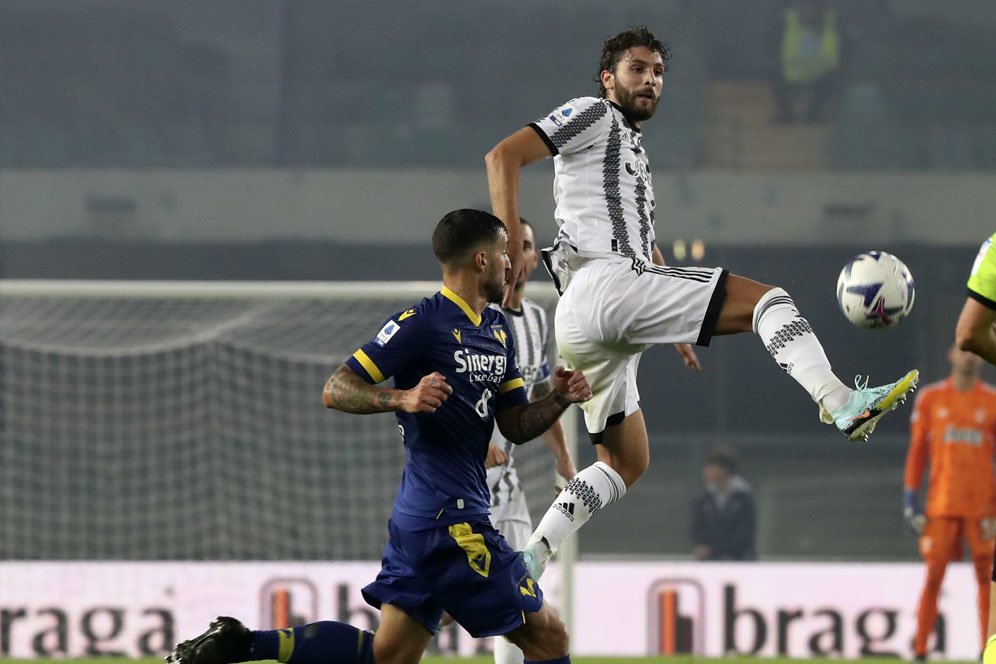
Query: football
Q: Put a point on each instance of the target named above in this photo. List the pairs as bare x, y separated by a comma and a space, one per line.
875, 290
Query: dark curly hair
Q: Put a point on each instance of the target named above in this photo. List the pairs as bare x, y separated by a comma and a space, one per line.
614, 48
462, 231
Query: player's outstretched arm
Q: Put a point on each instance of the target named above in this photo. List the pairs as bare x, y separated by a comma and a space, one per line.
348, 392
975, 332
504, 163
522, 423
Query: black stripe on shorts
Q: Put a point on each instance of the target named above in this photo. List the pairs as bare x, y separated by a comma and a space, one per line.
712, 311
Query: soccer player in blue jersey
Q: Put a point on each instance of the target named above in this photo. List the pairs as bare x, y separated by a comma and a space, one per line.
453, 362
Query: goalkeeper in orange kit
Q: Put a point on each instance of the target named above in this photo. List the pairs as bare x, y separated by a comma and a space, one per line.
953, 428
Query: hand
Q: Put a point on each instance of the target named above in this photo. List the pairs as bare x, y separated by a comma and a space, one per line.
428, 395
988, 527
914, 516
512, 276
496, 457
917, 521
565, 466
570, 386
688, 356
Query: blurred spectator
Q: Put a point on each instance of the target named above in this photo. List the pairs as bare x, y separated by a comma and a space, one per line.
723, 516
807, 52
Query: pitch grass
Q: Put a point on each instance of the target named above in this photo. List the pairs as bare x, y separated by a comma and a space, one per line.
465, 660
489, 660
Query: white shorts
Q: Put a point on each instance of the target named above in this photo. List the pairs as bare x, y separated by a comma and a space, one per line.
516, 532
614, 308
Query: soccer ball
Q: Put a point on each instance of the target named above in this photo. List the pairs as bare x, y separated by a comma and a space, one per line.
875, 290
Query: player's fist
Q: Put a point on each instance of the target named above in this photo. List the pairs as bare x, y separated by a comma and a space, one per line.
428, 395
496, 457
570, 386
688, 356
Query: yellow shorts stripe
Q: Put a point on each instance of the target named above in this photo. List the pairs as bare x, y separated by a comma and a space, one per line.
369, 365
286, 644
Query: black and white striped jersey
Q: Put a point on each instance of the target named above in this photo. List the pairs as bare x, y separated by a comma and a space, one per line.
531, 334
602, 185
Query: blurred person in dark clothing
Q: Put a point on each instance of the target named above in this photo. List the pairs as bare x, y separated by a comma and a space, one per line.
723, 516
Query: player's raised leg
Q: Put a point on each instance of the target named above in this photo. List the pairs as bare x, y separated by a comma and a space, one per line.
790, 339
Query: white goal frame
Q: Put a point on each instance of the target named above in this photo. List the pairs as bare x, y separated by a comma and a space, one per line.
320, 290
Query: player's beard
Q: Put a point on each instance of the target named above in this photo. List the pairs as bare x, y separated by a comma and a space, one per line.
495, 290
627, 101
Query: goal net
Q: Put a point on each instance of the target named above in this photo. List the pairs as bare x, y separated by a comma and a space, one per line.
184, 421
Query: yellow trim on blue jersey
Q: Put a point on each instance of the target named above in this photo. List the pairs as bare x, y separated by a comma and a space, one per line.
510, 385
369, 365
474, 317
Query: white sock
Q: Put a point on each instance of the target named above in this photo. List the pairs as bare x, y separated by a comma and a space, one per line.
794, 346
589, 491
507, 652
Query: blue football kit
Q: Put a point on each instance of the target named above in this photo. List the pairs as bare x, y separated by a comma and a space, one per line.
443, 553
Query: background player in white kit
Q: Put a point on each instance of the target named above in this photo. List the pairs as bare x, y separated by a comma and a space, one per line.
618, 298
531, 332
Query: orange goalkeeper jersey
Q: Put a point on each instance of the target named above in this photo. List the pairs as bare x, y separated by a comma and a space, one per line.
956, 433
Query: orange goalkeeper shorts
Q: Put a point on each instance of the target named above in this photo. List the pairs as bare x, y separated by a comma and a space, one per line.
942, 539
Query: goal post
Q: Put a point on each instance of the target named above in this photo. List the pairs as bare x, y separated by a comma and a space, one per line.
182, 420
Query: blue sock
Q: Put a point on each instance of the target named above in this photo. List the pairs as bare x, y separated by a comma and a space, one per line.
566, 659
324, 642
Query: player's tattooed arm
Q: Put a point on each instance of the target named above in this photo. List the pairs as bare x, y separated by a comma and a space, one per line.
348, 392
525, 422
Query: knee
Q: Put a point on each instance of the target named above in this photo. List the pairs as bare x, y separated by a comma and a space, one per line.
630, 465
935, 575
385, 653
552, 643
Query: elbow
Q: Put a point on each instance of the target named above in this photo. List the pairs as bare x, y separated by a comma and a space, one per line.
493, 158
327, 397
965, 339
497, 157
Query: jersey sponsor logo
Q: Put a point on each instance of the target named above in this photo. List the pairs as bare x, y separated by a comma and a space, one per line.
964, 436
482, 368
389, 330
407, 314
639, 170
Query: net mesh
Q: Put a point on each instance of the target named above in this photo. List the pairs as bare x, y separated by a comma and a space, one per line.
150, 428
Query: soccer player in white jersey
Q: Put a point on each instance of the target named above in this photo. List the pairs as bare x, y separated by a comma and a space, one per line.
618, 298
530, 333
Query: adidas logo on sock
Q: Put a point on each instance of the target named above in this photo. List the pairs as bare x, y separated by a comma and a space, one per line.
566, 508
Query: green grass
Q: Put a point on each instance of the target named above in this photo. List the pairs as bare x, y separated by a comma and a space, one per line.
489, 660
